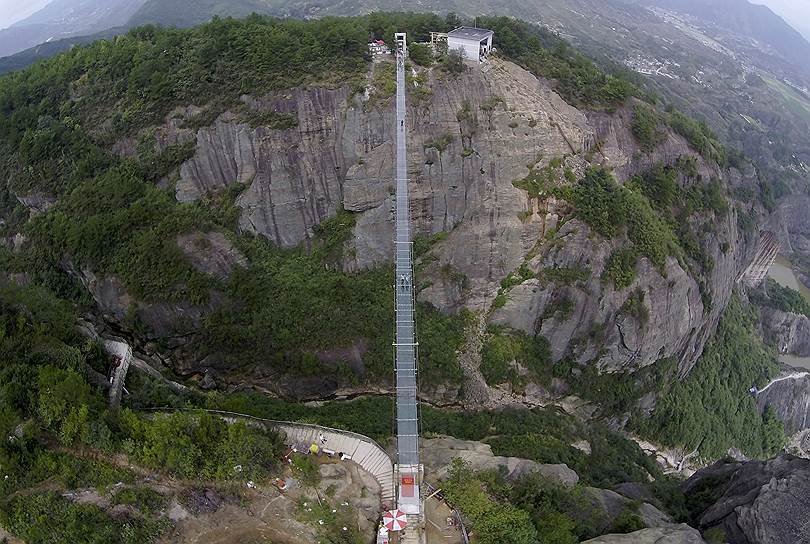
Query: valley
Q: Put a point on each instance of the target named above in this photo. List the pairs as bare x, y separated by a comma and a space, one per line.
201, 219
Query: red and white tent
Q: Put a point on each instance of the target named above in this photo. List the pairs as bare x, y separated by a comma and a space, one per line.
395, 520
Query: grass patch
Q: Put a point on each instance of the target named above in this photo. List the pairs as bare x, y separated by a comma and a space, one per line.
502, 348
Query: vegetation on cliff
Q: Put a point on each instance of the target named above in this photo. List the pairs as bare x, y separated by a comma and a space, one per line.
49, 400
781, 298
712, 410
288, 310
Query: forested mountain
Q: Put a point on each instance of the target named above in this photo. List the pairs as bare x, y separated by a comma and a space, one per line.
185, 13
202, 219
62, 19
744, 77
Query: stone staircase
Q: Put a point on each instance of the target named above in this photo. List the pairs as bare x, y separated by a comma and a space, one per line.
414, 533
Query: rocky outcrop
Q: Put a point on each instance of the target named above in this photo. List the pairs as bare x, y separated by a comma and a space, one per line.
789, 396
788, 333
758, 502
438, 455
673, 534
597, 325
293, 178
167, 320
211, 253
612, 505
37, 202
767, 251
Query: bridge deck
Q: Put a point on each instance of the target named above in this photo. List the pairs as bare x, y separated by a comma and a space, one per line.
406, 348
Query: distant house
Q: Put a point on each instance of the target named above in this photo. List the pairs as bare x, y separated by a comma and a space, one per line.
378, 47
474, 43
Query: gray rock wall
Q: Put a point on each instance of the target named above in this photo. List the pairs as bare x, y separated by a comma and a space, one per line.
341, 154
673, 534
788, 333
789, 395
758, 502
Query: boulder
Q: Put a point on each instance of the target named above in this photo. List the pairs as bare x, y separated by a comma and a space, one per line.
756, 502
37, 202
438, 454
613, 505
671, 534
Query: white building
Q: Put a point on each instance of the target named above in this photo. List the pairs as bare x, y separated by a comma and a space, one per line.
475, 43
378, 47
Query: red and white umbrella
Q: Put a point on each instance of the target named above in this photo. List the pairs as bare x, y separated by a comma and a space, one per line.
395, 520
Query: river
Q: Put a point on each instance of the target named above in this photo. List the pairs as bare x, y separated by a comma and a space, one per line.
782, 273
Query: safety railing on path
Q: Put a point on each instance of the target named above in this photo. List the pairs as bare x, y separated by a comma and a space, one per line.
431, 490
360, 449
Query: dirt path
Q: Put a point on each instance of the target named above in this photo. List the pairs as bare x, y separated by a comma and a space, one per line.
267, 513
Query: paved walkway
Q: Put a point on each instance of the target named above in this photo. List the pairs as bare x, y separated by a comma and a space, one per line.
360, 449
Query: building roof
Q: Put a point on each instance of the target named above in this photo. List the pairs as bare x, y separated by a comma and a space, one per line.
470, 33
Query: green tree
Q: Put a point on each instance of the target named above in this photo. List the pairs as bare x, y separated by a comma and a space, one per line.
420, 53
505, 525
64, 400
453, 62
645, 127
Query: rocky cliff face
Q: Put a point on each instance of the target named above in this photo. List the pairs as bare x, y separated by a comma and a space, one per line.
789, 395
469, 138
793, 224
758, 502
673, 534
788, 333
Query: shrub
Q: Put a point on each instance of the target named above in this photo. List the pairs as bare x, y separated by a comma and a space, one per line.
646, 127
144, 499
627, 522
566, 275
420, 53
306, 469
699, 136
502, 348
47, 517
200, 446
620, 267
492, 521
635, 307
453, 63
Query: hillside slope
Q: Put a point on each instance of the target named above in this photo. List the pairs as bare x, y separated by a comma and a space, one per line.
754, 21
216, 202
594, 235
61, 19
186, 13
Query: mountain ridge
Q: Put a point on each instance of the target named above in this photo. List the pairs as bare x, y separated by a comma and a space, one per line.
62, 19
